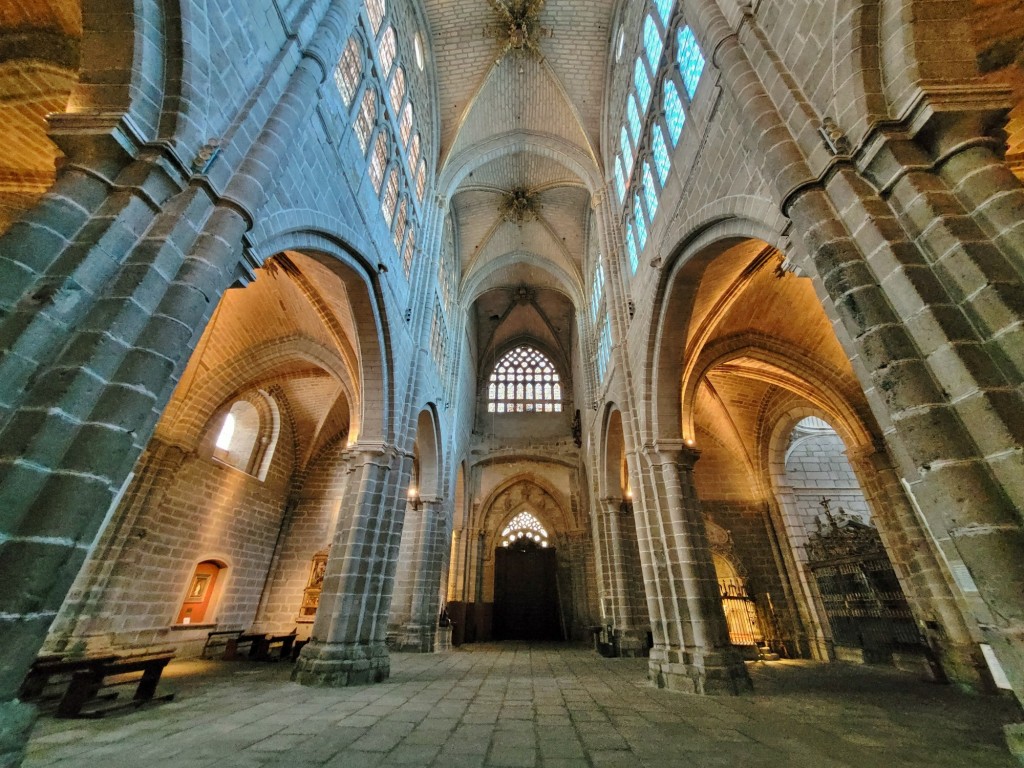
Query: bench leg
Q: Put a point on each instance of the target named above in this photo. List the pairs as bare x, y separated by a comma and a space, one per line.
82, 689
148, 683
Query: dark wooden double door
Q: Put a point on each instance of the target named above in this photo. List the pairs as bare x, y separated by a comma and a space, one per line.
526, 594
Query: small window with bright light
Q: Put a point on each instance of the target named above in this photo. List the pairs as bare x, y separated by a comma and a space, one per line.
227, 431
524, 527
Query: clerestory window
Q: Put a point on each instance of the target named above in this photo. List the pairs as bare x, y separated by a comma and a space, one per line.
524, 380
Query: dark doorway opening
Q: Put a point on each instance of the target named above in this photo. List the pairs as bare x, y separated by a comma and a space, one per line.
526, 593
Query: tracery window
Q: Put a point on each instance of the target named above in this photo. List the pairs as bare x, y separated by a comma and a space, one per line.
375, 9
660, 150
348, 72
414, 151
524, 526
664, 9
597, 288
398, 89
407, 254
620, 182
367, 115
627, 150
634, 260
639, 224
387, 205
405, 127
400, 221
690, 59
421, 179
642, 83
604, 349
524, 381
379, 161
650, 192
675, 118
652, 43
386, 50
633, 119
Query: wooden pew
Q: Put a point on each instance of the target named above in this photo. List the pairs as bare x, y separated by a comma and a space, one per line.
46, 668
86, 684
219, 639
274, 647
235, 644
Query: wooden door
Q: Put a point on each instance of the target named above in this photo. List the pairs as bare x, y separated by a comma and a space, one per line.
526, 594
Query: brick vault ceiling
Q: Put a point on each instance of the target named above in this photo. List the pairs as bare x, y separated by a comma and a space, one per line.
487, 107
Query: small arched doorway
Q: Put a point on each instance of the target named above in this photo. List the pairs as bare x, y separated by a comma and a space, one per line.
526, 600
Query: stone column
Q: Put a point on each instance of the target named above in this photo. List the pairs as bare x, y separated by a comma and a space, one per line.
348, 641
629, 639
428, 562
691, 650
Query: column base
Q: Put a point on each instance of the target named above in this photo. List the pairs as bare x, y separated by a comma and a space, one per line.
16, 721
718, 672
336, 665
631, 643
413, 638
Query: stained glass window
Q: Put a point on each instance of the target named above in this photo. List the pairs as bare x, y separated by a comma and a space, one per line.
379, 161
633, 119
524, 526
410, 247
652, 43
664, 9
650, 191
400, 220
661, 159
674, 115
367, 116
640, 223
387, 205
597, 289
642, 83
604, 348
398, 89
348, 71
620, 182
524, 381
414, 151
386, 50
627, 150
634, 261
405, 126
421, 179
375, 10
689, 58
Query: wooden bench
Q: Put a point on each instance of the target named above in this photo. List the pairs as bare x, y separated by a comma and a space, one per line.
86, 684
235, 644
274, 647
219, 639
46, 668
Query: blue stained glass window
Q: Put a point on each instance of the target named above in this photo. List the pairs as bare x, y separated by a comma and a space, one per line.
604, 348
652, 43
642, 83
664, 9
627, 151
639, 223
661, 158
689, 58
650, 192
620, 182
674, 115
634, 262
633, 119
597, 291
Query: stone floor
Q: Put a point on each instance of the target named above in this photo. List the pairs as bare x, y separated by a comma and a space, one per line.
521, 705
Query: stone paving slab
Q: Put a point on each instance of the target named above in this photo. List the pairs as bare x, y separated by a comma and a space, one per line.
540, 706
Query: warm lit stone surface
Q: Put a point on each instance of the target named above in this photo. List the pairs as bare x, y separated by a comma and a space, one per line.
516, 705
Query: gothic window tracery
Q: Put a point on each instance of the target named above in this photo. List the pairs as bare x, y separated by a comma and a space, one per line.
690, 59
387, 205
421, 179
650, 191
349, 71
400, 221
375, 9
524, 526
379, 161
674, 115
367, 116
386, 50
398, 89
662, 162
524, 380
407, 253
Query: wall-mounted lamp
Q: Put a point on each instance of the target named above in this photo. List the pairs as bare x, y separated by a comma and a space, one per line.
689, 442
413, 497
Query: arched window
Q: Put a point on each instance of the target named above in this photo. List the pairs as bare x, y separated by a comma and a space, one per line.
689, 58
238, 436
414, 151
387, 205
410, 247
664, 9
379, 161
641, 225
405, 125
367, 115
642, 83
650, 191
524, 381
197, 607
652, 43
421, 179
627, 150
398, 89
348, 71
633, 118
620, 181
634, 261
375, 9
386, 51
674, 115
661, 159
524, 526
400, 220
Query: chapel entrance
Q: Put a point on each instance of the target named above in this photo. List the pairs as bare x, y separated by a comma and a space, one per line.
526, 593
